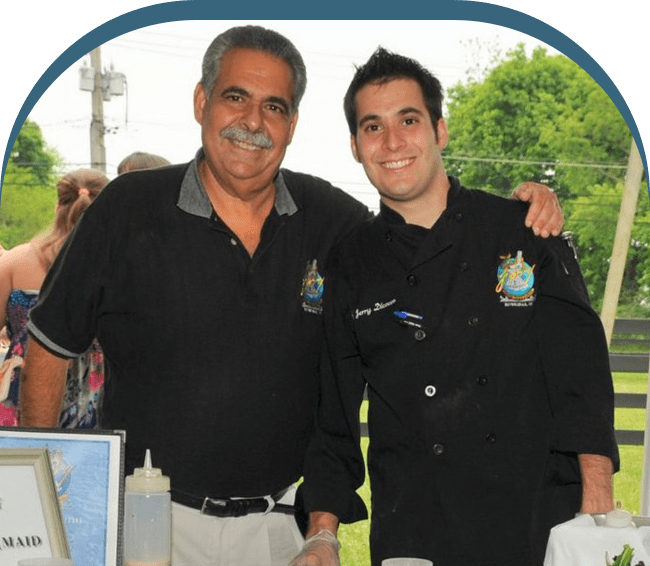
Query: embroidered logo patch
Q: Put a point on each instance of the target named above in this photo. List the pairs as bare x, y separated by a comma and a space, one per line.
313, 285
515, 281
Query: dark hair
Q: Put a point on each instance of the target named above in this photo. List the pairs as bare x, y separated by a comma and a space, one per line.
75, 192
261, 39
140, 160
384, 66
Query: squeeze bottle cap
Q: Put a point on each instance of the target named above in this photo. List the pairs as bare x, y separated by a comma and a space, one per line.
147, 478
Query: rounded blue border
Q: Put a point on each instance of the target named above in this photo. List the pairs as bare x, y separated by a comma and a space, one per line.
207, 10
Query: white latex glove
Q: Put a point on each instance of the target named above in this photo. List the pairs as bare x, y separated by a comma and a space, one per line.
320, 550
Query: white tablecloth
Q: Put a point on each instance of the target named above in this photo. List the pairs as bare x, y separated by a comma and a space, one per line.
581, 542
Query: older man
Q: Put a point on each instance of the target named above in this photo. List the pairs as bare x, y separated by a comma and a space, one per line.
203, 283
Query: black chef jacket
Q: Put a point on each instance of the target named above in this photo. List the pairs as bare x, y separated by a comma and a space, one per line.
487, 373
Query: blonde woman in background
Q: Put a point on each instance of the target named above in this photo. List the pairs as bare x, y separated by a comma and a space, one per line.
22, 271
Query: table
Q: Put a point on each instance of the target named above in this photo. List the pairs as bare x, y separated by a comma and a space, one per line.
585, 540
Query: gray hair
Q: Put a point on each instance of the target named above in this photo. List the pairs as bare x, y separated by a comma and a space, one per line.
261, 39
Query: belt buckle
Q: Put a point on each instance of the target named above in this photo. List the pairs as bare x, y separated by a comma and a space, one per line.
271, 504
220, 504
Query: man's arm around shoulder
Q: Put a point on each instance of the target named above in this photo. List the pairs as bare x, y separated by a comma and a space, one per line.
42, 385
545, 213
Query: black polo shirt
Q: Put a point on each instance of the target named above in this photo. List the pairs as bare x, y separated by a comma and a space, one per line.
212, 354
487, 373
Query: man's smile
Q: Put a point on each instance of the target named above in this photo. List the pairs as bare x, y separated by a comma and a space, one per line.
246, 146
245, 140
398, 164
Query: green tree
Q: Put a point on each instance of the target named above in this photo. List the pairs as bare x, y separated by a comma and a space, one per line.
594, 216
533, 118
543, 118
28, 193
31, 152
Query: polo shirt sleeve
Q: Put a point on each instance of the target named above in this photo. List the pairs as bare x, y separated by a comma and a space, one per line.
64, 319
334, 467
574, 356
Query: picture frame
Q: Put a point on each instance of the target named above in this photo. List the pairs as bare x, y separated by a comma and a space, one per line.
31, 524
88, 477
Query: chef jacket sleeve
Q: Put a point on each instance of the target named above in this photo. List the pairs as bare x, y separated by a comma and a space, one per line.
574, 356
334, 467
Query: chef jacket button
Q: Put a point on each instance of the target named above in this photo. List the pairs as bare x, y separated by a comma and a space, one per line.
459, 217
482, 380
491, 438
233, 241
420, 334
473, 321
438, 449
430, 390
389, 236
412, 280
463, 266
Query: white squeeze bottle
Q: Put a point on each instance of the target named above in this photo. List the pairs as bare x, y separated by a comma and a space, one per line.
147, 517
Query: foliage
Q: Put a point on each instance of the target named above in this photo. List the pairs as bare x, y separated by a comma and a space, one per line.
31, 152
543, 118
594, 216
529, 119
28, 193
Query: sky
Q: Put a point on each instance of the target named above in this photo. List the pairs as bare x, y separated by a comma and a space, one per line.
162, 65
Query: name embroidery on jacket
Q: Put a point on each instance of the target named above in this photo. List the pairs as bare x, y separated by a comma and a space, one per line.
378, 306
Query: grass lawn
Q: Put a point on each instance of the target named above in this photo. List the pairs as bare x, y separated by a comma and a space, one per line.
627, 482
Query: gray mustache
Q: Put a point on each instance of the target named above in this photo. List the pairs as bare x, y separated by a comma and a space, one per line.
258, 138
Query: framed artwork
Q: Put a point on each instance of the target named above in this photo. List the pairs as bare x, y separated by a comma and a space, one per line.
31, 525
87, 477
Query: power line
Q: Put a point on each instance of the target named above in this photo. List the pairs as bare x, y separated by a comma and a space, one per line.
547, 163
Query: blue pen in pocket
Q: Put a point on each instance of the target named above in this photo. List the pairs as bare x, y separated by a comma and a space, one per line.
407, 319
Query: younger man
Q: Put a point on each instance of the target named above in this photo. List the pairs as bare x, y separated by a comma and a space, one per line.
490, 395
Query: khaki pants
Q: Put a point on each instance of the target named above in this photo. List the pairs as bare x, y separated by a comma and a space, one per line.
253, 540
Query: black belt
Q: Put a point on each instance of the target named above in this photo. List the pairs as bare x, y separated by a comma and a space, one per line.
228, 507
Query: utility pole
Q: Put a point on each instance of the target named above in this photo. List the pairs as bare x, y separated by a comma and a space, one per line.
621, 241
102, 85
97, 147
613, 290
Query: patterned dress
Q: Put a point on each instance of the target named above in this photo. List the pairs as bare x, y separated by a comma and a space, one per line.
85, 374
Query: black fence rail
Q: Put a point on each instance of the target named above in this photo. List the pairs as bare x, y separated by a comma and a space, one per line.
632, 334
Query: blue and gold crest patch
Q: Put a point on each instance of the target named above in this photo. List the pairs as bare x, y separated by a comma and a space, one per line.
313, 285
515, 281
